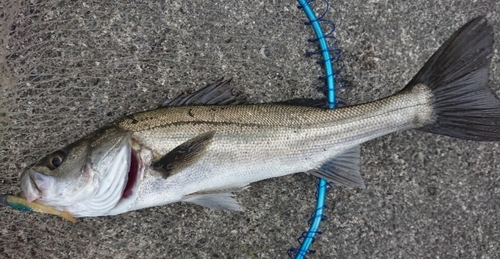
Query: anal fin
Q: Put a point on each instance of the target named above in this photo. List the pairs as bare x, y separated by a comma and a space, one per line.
342, 169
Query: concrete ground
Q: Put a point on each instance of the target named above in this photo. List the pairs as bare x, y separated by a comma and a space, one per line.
68, 67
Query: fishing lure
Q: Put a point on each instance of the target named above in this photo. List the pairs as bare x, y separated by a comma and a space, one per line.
22, 204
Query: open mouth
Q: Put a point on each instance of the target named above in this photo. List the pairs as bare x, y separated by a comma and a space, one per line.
133, 173
29, 187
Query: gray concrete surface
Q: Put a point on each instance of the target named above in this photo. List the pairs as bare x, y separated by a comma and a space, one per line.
73, 66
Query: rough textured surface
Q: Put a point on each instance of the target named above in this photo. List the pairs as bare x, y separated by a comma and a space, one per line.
68, 67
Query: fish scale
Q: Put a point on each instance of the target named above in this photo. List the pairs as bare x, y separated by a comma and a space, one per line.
246, 150
281, 125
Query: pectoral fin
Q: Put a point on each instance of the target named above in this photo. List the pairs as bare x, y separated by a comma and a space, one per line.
183, 155
342, 169
218, 201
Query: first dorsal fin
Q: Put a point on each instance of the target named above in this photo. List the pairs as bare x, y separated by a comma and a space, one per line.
218, 93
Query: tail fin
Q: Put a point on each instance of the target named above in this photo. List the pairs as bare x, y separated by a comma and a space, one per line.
457, 74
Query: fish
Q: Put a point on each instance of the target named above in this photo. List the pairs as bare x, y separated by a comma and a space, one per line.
202, 148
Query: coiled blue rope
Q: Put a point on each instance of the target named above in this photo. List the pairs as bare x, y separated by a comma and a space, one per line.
308, 237
325, 50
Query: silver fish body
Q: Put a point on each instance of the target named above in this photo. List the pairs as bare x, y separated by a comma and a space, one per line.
202, 153
256, 142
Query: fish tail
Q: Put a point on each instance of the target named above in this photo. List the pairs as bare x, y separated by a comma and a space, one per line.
463, 105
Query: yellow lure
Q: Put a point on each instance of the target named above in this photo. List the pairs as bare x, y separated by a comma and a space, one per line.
22, 204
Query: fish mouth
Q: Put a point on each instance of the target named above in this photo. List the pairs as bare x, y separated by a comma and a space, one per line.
132, 175
29, 189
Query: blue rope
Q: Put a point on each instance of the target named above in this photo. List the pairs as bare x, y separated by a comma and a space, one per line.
325, 50
308, 237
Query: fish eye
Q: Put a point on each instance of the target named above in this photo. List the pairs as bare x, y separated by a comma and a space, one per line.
55, 160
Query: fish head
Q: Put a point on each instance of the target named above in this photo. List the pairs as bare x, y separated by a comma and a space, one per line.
86, 178
57, 175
